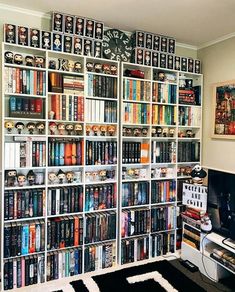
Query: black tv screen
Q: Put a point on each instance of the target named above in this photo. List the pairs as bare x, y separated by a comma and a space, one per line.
221, 202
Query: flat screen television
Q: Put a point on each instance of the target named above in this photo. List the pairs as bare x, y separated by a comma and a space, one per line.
221, 202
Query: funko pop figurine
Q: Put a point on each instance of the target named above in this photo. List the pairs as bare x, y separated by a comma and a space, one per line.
102, 175
46, 40
145, 132
165, 132
61, 128
111, 130
103, 130
52, 177
19, 126
128, 132
89, 66
21, 179
52, 64
40, 127
10, 33
8, 57
29, 61
71, 66
31, 127
171, 132
31, 177
22, 35
106, 69
10, 177
137, 132
61, 176
98, 67
158, 131
52, 127
88, 130
77, 67
9, 125
39, 62
18, 59
113, 69
70, 176
161, 76
163, 172
67, 44
189, 133
154, 131
69, 128
57, 21
78, 129
95, 129
51, 115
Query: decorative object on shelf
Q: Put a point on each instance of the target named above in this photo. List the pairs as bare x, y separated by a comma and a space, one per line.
70, 65
18, 59
197, 174
52, 127
40, 127
89, 66
95, 129
10, 177
68, 24
23, 34
88, 130
103, 129
68, 44
57, 42
61, 176
31, 177
52, 177
52, 64
79, 26
89, 28
77, 45
63, 64
145, 132
46, 40
10, 33
34, 38
20, 127
97, 49
29, 61
137, 132
206, 225
102, 175
21, 179
78, 129
106, 69
9, 57
39, 62
70, 176
136, 73
57, 21
117, 45
77, 67
9, 125
61, 128
171, 132
98, 67
87, 47
31, 127
111, 130
69, 128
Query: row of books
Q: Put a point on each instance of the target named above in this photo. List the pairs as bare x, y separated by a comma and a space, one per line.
102, 86
135, 152
25, 154
136, 90
188, 151
135, 222
163, 218
67, 107
163, 191
23, 272
64, 263
101, 152
23, 239
161, 244
60, 83
99, 257
163, 152
164, 93
225, 257
191, 236
136, 113
65, 152
187, 96
24, 204
100, 226
101, 111
163, 114
65, 200
23, 107
135, 193
64, 232
189, 116
134, 250
100, 197
24, 81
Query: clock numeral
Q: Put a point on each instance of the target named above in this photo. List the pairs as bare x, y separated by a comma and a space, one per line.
110, 34
106, 39
113, 56
105, 45
115, 34
121, 36
107, 51
118, 58
128, 48
128, 54
126, 41
124, 58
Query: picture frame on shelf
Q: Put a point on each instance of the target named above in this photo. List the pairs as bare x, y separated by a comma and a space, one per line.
223, 110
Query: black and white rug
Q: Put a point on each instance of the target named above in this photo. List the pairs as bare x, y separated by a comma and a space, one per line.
157, 277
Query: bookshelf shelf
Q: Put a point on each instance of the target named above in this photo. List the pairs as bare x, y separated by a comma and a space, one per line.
164, 103
101, 98
135, 207
25, 95
25, 187
65, 73
137, 101
64, 248
100, 182
24, 67
24, 119
24, 255
24, 219
101, 74
165, 82
133, 78
101, 210
99, 242
135, 236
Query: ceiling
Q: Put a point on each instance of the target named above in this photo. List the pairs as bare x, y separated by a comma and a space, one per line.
194, 22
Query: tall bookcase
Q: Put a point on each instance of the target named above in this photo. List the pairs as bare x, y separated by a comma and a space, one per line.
157, 107
60, 133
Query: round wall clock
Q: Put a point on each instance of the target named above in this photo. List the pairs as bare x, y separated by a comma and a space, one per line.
116, 45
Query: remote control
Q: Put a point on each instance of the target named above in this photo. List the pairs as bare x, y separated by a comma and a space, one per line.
190, 266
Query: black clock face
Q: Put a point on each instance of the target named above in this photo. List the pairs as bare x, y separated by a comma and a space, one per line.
116, 45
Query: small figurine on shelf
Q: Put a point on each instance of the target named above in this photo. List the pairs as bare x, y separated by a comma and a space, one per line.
18, 59
189, 133
61, 128
31, 177
52, 177
40, 127
70, 176
130, 172
51, 115
95, 129
52, 127
165, 132
124, 131
163, 172
95, 176
10, 177
161, 76
110, 173
88, 176
71, 65
106, 69
137, 132
172, 132
158, 131
39, 62
31, 127
29, 61
145, 132
61, 176
154, 132
102, 175
9, 57
98, 67
77, 67
21, 179
52, 65
111, 130
136, 172
69, 128
9, 125
103, 130
197, 174
88, 130
113, 69
89, 66
20, 127
78, 129
128, 132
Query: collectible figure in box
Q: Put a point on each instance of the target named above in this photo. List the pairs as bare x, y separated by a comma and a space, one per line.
68, 24
23, 36
147, 57
171, 46
35, 38
155, 59
197, 66
10, 33
190, 65
164, 44
162, 60
156, 42
9, 57
57, 42
139, 56
79, 26
139, 39
68, 43
184, 64
149, 41
97, 49
87, 47
46, 40
177, 63
170, 61
99, 30
89, 28
57, 21
77, 45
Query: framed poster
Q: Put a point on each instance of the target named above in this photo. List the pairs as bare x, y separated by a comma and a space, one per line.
224, 110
